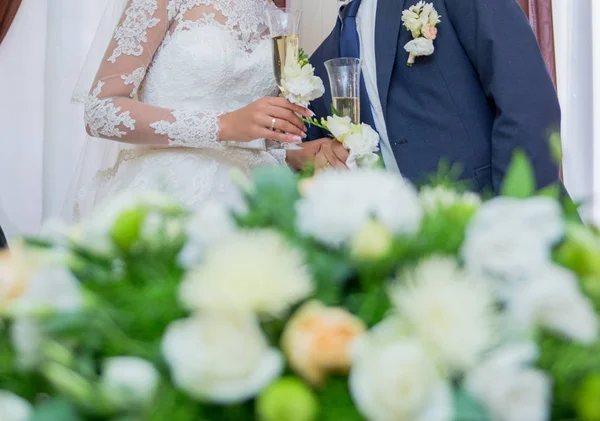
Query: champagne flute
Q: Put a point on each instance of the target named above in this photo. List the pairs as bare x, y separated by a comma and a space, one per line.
284, 27
344, 80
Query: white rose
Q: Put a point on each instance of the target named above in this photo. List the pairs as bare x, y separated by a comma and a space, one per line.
129, 380
210, 224
362, 146
551, 298
339, 204
420, 47
452, 313
392, 379
509, 389
542, 215
504, 255
13, 407
268, 277
340, 127
508, 238
220, 358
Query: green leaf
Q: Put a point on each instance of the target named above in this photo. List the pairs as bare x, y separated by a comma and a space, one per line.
372, 306
466, 408
336, 402
56, 410
556, 148
520, 179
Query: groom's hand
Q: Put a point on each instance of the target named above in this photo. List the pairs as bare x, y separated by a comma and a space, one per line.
298, 159
332, 154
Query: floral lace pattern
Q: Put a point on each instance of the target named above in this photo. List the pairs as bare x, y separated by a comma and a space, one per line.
103, 118
174, 70
139, 17
136, 78
190, 130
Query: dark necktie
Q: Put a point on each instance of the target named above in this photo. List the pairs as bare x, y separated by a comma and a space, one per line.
350, 47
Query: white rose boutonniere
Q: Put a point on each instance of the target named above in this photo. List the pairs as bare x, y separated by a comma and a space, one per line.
421, 20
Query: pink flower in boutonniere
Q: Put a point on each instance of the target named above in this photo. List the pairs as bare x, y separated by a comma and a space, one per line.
430, 31
421, 20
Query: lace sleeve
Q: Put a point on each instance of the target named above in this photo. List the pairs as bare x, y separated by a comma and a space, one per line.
112, 110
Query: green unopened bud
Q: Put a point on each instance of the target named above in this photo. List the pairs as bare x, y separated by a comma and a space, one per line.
288, 399
588, 399
127, 227
372, 242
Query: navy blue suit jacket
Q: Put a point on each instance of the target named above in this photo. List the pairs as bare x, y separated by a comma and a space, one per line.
483, 93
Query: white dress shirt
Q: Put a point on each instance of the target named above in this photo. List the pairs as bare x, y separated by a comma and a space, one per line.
365, 25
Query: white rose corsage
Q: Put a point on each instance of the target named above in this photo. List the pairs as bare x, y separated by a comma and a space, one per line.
299, 85
421, 20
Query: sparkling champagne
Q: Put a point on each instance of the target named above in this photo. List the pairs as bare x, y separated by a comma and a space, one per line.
348, 107
285, 47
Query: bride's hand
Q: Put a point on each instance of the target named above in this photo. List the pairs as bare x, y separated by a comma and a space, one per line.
267, 118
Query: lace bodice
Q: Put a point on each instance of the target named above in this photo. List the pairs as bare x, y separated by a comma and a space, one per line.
174, 66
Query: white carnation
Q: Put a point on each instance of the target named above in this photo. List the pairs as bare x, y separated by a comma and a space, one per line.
452, 313
129, 380
210, 224
509, 389
13, 407
339, 204
551, 298
220, 358
250, 271
420, 47
392, 379
300, 85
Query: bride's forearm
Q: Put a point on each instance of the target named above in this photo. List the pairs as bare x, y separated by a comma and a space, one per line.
131, 121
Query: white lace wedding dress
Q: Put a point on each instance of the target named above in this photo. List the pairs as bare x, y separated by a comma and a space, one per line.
172, 68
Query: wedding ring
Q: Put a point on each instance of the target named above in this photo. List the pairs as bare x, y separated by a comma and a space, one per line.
273, 123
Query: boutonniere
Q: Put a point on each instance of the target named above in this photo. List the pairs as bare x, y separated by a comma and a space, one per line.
421, 20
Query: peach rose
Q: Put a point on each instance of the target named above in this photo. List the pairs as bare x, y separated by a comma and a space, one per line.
317, 339
429, 31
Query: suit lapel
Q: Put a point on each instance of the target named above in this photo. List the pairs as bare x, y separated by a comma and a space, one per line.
387, 28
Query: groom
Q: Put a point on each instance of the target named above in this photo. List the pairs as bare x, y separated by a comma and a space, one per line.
482, 94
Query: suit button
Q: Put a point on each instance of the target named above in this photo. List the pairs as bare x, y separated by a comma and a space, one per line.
398, 142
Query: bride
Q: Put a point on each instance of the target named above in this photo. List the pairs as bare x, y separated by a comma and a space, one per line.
184, 94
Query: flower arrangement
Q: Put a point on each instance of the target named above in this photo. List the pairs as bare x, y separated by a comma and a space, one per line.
421, 20
348, 296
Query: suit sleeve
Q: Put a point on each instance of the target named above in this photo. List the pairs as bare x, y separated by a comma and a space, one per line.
502, 47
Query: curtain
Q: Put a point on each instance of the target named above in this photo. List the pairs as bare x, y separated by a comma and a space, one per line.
8, 11
578, 72
539, 13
